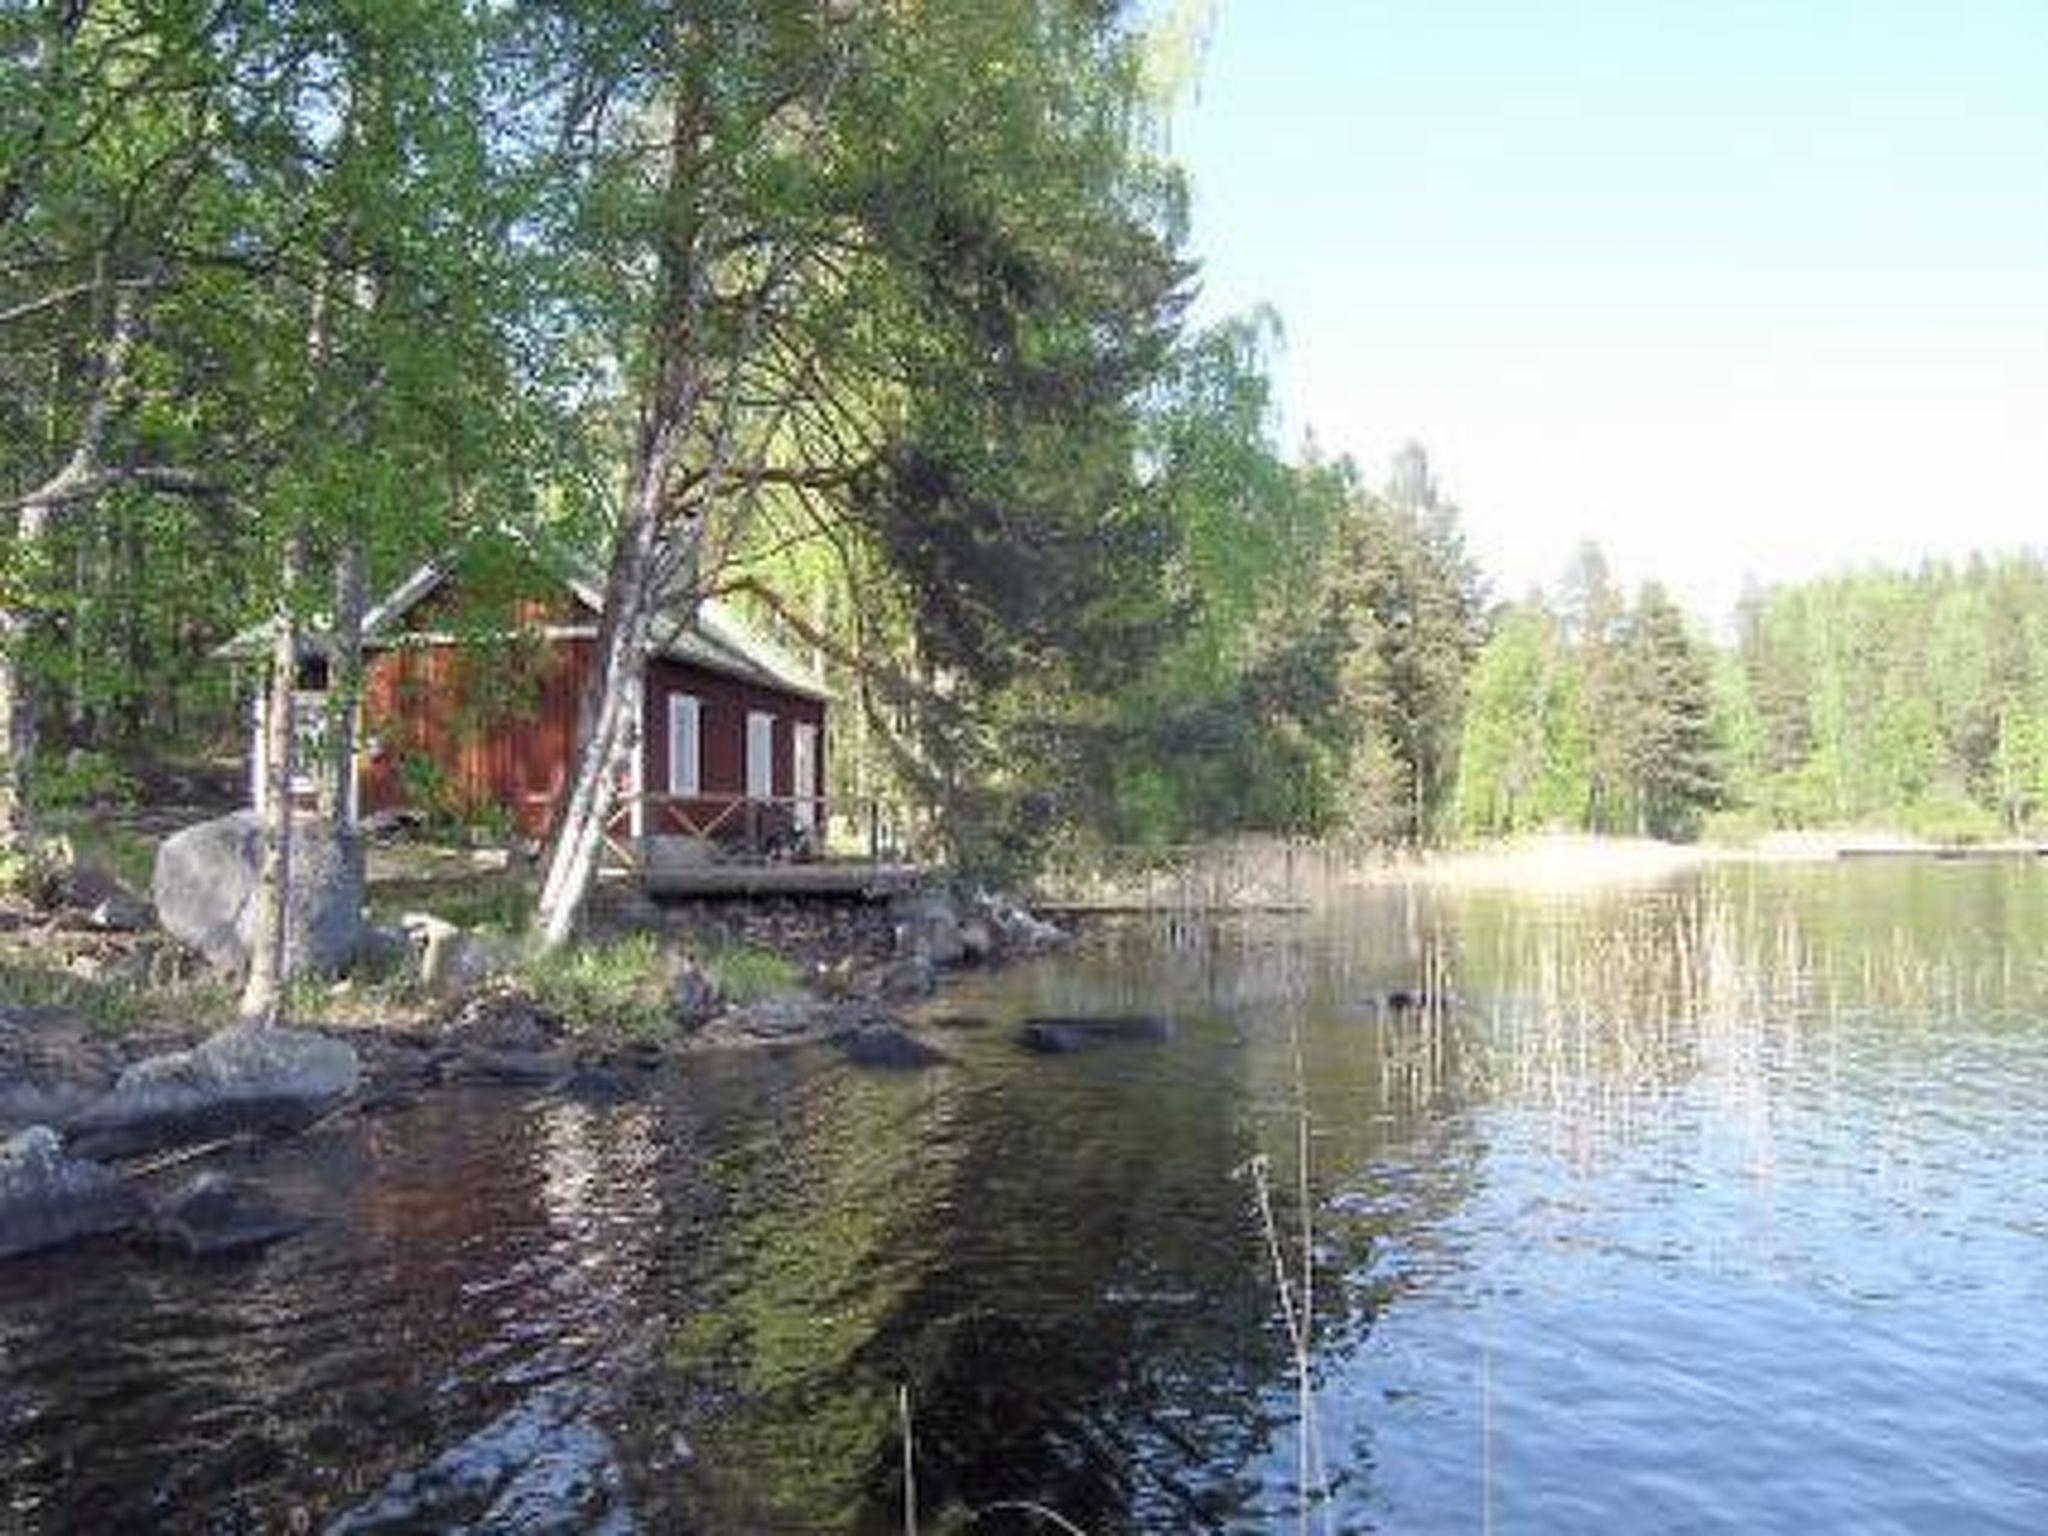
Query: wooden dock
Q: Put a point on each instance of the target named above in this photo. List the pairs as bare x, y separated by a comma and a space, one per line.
683, 866
1945, 851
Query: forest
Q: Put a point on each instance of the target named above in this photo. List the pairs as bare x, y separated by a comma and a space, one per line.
877, 321
1909, 700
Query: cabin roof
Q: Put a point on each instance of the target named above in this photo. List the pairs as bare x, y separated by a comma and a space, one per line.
715, 636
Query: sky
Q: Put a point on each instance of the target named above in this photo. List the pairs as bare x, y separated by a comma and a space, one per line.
1735, 289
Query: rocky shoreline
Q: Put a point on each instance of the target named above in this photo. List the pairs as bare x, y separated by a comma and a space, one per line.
90, 1119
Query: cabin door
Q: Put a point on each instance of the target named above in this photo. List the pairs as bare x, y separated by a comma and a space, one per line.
804, 763
760, 756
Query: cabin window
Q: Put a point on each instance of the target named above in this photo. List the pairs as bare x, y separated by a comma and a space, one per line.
760, 755
685, 744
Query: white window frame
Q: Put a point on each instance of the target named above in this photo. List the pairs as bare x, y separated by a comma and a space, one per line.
685, 745
803, 773
761, 730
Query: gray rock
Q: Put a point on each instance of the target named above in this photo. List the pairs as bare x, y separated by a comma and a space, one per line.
1017, 931
501, 1019
891, 1048
217, 1214
906, 980
205, 882
696, 995
47, 1198
977, 939
382, 952
1065, 1036
541, 1468
928, 928
452, 960
120, 912
791, 1015
246, 1078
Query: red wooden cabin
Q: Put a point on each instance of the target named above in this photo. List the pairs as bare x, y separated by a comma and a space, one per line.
474, 674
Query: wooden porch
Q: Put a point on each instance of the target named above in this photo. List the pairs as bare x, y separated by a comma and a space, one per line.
774, 845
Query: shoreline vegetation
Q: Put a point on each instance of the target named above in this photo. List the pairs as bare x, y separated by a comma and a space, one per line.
1278, 876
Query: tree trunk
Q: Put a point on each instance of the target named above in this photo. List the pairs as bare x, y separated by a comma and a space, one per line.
17, 696
339, 805
263, 992
606, 733
17, 693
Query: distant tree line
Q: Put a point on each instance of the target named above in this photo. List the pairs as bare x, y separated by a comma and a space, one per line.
1910, 699
1919, 697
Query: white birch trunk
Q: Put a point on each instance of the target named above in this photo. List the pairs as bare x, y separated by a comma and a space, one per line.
263, 991
339, 805
17, 693
17, 699
607, 733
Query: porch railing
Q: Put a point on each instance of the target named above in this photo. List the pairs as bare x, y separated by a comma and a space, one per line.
757, 828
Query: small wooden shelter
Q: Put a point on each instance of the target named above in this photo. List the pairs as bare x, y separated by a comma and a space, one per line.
474, 670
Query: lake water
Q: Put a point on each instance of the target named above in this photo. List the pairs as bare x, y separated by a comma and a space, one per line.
1720, 1205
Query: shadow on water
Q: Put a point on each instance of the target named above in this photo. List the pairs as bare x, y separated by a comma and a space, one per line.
1702, 1205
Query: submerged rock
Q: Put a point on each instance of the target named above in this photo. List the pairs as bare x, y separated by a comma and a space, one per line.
596, 1083
249, 1078
205, 881
47, 1198
892, 1048
1058, 1036
215, 1213
541, 1467
480, 1064
1414, 1000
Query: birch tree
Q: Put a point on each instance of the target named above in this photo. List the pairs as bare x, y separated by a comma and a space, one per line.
861, 222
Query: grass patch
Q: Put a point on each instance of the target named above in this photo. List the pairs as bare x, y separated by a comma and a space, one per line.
491, 902
114, 1004
125, 853
619, 986
746, 973
626, 986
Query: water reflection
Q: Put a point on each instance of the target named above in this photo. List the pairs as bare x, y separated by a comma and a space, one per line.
1712, 1205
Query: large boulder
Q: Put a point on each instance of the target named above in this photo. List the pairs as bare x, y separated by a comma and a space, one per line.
205, 887
250, 1078
47, 1198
